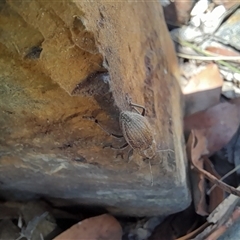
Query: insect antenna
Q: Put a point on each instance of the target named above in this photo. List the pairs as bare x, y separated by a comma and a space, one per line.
100, 125
135, 106
117, 148
130, 153
150, 167
165, 150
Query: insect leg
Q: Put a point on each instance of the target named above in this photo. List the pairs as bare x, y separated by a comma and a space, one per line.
106, 131
166, 150
138, 106
130, 153
112, 134
117, 148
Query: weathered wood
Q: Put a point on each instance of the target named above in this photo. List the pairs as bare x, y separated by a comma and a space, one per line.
64, 64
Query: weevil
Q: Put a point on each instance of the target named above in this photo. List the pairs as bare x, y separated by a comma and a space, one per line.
138, 132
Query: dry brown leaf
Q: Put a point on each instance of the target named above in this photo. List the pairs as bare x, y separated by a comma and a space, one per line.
101, 227
198, 150
203, 90
199, 196
217, 124
197, 178
198, 147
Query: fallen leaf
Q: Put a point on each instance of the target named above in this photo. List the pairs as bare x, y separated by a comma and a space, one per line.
196, 147
101, 227
197, 179
218, 124
203, 90
198, 182
208, 78
196, 152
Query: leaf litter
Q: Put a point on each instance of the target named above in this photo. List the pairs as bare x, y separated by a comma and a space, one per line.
210, 83
208, 131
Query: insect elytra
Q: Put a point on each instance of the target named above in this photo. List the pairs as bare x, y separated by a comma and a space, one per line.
138, 133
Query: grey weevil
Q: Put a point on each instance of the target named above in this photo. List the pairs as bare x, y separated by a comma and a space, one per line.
138, 132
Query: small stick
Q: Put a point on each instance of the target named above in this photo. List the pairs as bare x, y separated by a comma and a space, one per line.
222, 178
207, 53
209, 58
222, 185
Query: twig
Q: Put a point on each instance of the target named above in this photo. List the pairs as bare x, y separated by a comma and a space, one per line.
221, 179
209, 58
197, 49
219, 183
